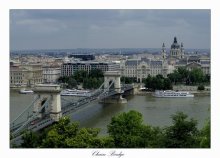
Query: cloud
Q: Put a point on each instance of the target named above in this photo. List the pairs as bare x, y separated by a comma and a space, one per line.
108, 28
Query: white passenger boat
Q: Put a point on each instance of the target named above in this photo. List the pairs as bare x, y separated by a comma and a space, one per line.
75, 92
23, 91
172, 94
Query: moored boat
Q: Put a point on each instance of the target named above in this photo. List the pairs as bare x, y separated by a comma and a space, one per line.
75, 92
172, 94
23, 91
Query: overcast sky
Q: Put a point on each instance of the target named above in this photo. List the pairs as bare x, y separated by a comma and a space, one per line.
66, 29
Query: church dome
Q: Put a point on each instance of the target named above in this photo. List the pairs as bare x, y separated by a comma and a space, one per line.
175, 45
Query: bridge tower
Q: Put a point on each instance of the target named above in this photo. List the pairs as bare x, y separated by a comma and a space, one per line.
109, 77
113, 76
51, 94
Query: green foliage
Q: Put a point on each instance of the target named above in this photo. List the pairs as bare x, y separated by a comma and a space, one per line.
126, 130
96, 73
182, 75
92, 80
158, 82
196, 76
72, 83
63, 79
66, 135
31, 140
80, 75
205, 135
207, 78
201, 87
128, 80
182, 134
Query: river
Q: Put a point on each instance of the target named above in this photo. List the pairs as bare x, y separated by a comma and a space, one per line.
155, 111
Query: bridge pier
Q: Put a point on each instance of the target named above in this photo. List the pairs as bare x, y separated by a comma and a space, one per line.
51, 94
109, 77
115, 99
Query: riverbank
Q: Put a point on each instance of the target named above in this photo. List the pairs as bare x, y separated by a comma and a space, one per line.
195, 92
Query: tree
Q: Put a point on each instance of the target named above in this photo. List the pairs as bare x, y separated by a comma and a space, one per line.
205, 135
96, 73
184, 74
148, 81
196, 76
167, 84
63, 79
80, 75
125, 129
174, 77
30, 140
183, 133
127, 80
201, 87
207, 78
72, 83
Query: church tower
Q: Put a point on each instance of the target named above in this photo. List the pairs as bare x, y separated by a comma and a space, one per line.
163, 51
182, 51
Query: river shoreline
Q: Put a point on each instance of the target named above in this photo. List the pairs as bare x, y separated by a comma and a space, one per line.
192, 89
196, 93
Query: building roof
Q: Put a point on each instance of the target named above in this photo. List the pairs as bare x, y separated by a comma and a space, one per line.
206, 62
153, 63
175, 44
145, 60
131, 63
182, 62
193, 58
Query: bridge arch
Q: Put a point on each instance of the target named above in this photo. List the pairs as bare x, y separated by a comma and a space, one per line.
50, 95
112, 76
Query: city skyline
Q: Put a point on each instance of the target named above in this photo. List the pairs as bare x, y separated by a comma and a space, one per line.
70, 29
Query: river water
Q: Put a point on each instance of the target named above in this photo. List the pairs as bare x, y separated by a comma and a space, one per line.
155, 111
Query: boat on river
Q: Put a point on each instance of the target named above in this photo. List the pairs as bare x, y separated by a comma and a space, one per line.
24, 91
172, 94
75, 92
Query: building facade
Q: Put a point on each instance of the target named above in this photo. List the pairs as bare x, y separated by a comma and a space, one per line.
68, 69
18, 76
51, 73
178, 58
141, 68
195, 61
25, 75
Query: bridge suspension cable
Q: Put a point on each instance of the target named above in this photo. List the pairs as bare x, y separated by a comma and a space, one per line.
18, 121
30, 119
100, 93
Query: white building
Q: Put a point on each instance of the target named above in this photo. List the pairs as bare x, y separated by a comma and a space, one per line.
51, 73
25, 74
141, 68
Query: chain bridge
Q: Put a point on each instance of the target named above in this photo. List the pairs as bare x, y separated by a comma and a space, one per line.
48, 106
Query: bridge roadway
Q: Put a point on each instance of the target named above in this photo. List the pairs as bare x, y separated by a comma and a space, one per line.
33, 123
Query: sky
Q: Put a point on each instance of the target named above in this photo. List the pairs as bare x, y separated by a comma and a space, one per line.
103, 28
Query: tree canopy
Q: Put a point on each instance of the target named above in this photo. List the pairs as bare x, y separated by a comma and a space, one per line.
126, 130
158, 82
90, 80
